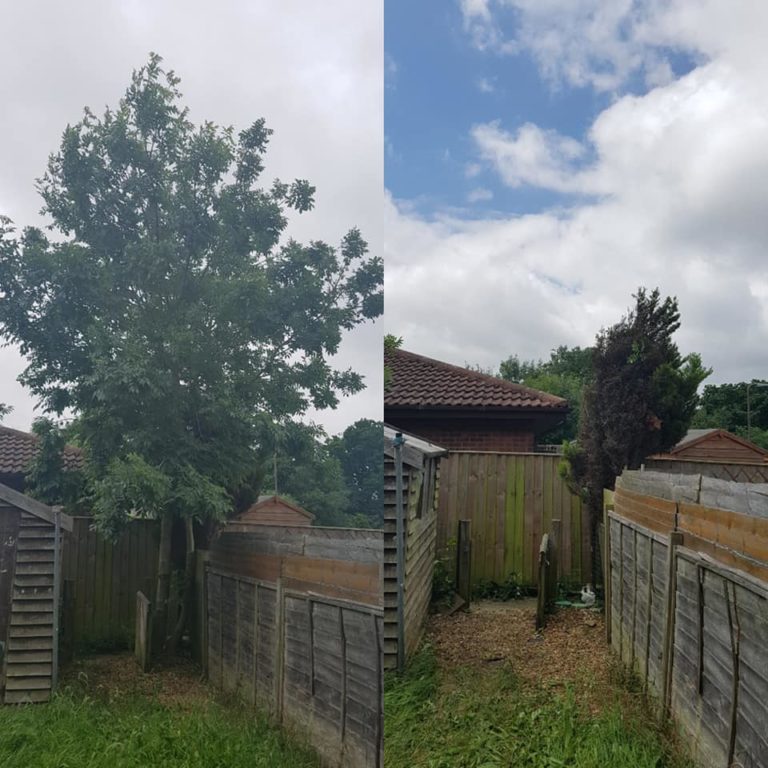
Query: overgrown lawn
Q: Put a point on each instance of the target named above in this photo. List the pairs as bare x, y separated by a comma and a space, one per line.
482, 718
76, 731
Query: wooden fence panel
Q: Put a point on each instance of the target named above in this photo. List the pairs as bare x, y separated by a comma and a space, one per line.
708, 601
313, 662
511, 500
103, 578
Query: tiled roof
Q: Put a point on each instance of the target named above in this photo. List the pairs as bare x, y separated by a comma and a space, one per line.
17, 449
421, 382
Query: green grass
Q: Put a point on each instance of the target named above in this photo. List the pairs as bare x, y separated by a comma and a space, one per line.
75, 731
482, 719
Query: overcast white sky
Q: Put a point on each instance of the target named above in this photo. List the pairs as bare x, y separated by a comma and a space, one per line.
314, 71
666, 185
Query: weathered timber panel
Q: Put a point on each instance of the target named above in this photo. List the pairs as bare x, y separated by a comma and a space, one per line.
730, 468
343, 563
718, 675
511, 500
313, 662
104, 578
9, 533
420, 524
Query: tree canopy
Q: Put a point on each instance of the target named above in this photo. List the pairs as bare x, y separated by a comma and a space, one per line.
564, 374
641, 397
724, 406
337, 479
168, 312
359, 451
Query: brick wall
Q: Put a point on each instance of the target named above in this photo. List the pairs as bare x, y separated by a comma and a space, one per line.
474, 436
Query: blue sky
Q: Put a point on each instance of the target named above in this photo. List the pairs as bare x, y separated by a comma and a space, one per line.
545, 158
439, 85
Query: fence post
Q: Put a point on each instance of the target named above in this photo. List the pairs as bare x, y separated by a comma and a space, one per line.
143, 633
607, 572
554, 559
280, 648
541, 602
464, 561
675, 539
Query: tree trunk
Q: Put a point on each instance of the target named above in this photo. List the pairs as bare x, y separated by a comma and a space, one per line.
160, 623
189, 586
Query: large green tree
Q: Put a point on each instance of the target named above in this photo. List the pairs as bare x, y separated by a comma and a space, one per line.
640, 400
169, 311
359, 451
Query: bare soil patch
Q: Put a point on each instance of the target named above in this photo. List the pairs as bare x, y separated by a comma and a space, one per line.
117, 675
569, 652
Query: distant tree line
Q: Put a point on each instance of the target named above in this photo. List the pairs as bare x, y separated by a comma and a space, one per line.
339, 479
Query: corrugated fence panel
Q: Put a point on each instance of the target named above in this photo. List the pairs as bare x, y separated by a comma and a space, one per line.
511, 500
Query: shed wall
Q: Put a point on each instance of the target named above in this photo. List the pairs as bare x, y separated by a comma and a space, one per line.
420, 538
27, 589
9, 533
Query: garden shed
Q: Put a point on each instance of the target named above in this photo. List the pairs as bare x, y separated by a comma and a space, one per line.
714, 453
408, 567
30, 585
715, 445
274, 510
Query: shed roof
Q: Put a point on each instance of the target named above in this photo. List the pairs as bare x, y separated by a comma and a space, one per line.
423, 383
18, 449
695, 436
264, 501
415, 448
34, 507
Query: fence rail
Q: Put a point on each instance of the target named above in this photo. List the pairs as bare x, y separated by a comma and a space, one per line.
744, 472
511, 501
687, 598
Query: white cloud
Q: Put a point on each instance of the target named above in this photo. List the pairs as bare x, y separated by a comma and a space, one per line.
391, 70
531, 156
485, 85
602, 44
482, 28
479, 194
315, 72
471, 170
677, 181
